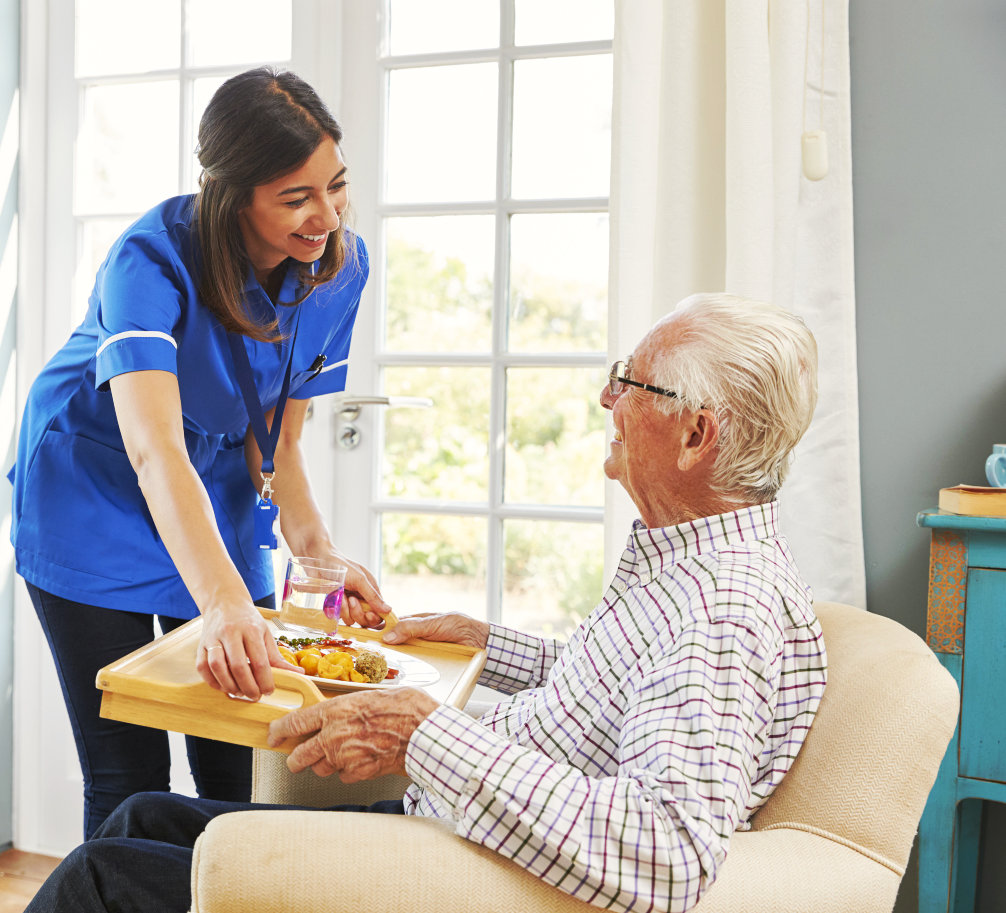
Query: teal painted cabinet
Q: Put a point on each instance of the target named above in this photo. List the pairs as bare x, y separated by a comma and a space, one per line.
966, 628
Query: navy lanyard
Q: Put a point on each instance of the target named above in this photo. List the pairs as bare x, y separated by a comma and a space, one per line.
265, 438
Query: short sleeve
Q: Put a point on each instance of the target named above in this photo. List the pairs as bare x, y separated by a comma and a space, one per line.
140, 290
333, 308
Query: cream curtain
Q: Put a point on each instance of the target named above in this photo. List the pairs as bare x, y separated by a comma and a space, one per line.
710, 102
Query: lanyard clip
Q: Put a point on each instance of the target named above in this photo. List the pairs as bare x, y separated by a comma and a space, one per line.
267, 478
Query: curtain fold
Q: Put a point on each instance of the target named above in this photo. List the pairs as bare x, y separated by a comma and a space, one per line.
710, 102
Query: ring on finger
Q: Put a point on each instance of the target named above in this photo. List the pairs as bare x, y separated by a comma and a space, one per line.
213, 647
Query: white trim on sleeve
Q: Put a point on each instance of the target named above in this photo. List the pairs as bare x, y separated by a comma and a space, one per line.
338, 364
131, 334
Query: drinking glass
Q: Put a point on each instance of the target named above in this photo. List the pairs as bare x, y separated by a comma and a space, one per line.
312, 593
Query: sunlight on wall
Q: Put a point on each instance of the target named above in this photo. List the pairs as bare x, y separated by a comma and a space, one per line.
8, 289
9, 137
8, 340
8, 143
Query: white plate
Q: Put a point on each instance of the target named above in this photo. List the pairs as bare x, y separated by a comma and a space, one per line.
411, 671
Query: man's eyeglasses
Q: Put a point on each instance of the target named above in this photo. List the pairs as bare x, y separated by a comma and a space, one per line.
618, 377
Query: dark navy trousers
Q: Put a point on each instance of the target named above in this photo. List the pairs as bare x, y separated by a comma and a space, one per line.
140, 859
120, 759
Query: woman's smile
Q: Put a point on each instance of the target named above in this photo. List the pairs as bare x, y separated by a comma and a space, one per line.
313, 240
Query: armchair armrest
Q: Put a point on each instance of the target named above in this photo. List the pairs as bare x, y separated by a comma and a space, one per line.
291, 861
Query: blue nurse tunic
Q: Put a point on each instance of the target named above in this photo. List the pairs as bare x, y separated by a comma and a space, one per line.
81, 528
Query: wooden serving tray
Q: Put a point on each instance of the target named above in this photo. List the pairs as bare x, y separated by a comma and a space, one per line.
158, 686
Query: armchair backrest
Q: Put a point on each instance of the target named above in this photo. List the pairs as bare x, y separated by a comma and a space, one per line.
872, 754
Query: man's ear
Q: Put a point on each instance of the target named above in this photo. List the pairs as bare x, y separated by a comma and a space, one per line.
700, 433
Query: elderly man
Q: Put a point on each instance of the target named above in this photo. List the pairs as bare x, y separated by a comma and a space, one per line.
624, 760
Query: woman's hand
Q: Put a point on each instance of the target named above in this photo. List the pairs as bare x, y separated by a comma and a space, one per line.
363, 603
237, 651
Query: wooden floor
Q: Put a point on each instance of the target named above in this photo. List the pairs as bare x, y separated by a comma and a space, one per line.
21, 875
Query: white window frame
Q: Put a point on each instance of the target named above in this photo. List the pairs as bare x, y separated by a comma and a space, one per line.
363, 114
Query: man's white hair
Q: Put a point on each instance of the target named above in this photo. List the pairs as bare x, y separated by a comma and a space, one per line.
755, 366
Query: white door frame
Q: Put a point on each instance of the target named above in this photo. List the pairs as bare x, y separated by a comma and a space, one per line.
47, 801
47, 783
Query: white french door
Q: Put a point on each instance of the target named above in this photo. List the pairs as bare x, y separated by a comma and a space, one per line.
112, 95
478, 141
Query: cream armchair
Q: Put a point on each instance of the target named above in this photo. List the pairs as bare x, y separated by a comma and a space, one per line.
833, 838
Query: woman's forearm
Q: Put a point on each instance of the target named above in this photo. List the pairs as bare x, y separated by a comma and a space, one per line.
184, 518
149, 416
302, 521
236, 649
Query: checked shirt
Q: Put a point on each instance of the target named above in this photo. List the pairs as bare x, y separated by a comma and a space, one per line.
622, 762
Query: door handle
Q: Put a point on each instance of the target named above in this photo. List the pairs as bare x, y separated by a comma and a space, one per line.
348, 405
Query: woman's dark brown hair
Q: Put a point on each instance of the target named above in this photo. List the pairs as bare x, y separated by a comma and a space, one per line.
258, 126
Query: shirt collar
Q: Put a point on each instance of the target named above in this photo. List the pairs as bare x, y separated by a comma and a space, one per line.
650, 552
258, 303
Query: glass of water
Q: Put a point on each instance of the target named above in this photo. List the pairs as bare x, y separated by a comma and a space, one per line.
312, 593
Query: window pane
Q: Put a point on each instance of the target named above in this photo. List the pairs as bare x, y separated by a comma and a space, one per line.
552, 574
434, 563
109, 36
237, 31
96, 237
127, 149
562, 127
442, 134
555, 436
559, 282
202, 91
439, 453
554, 21
440, 284
417, 26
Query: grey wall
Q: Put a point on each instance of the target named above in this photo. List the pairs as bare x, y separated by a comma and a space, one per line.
929, 183
9, 56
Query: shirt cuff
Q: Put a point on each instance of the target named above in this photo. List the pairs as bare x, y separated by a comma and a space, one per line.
134, 350
446, 753
514, 660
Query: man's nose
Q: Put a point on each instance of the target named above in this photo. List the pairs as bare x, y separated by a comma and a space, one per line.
607, 397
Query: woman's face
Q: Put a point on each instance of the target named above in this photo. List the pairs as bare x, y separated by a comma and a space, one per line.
294, 215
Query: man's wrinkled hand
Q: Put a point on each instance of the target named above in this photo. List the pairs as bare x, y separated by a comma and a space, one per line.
358, 736
447, 628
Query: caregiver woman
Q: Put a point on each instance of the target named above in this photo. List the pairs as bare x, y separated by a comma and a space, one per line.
144, 457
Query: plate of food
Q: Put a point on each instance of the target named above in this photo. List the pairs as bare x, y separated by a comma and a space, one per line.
337, 663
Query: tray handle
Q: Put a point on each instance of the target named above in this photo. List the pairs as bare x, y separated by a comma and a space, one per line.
294, 681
